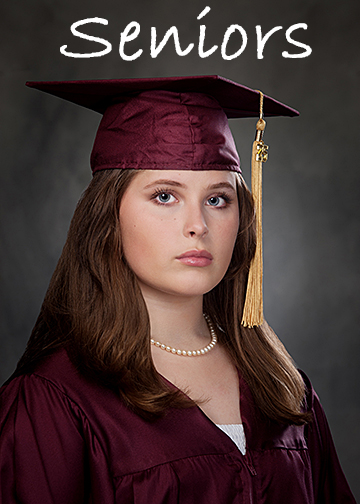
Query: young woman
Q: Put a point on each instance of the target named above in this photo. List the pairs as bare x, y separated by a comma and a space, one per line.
139, 383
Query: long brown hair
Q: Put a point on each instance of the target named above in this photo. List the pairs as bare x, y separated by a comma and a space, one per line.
94, 308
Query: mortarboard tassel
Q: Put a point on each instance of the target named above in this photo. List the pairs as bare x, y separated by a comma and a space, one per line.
253, 308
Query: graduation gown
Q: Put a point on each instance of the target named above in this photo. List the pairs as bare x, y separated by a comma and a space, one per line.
66, 440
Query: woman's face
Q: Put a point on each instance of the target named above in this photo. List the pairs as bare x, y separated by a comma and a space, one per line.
179, 229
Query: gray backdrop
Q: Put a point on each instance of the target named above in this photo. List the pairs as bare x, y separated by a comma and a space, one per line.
311, 189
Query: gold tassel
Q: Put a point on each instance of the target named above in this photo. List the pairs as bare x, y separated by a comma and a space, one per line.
253, 308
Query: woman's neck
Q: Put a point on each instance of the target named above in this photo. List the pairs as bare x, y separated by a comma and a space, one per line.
177, 321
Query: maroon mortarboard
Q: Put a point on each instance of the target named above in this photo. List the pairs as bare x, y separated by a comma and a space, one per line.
165, 123
177, 123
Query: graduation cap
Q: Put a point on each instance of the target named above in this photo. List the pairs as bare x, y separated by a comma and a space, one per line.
177, 123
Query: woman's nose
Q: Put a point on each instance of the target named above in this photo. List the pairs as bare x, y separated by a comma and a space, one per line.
195, 223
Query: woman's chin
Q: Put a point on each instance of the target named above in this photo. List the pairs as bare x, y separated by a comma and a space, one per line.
184, 287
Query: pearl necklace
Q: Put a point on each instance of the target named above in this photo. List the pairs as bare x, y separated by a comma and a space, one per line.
190, 353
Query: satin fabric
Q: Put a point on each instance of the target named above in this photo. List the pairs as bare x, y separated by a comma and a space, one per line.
166, 123
164, 130
64, 439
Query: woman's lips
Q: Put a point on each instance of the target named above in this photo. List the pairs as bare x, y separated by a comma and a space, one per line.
196, 258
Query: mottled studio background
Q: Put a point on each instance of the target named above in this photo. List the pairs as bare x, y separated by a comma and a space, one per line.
311, 192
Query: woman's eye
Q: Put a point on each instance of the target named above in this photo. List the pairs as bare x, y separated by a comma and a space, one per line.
216, 201
165, 197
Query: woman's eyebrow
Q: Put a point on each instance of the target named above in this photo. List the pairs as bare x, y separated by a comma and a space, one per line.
168, 182
222, 185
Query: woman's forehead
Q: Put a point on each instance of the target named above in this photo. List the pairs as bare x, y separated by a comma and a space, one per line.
185, 179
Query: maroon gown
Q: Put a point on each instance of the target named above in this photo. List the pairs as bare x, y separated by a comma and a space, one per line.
66, 440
